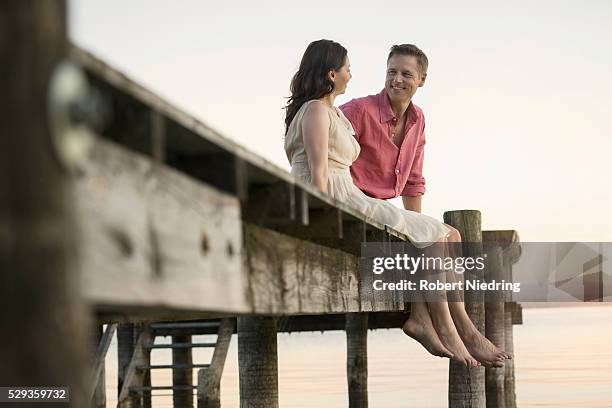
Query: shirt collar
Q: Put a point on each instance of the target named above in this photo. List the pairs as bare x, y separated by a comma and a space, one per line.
386, 113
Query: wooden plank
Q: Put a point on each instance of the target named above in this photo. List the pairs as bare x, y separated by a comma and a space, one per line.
134, 376
98, 382
101, 351
209, 379
290, 276
153, 237
125, 352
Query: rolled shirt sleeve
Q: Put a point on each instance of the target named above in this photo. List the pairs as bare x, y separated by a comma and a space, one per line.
415, 185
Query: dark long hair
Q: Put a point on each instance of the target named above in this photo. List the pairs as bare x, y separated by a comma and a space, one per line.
311, 80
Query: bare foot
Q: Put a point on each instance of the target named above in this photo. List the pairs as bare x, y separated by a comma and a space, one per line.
423, 332
450, 339
477, 344
485, 351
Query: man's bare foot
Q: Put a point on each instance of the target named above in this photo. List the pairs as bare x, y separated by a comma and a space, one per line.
483, 350
477, 344
423, 332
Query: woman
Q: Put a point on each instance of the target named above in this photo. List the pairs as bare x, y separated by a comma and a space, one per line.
320, 147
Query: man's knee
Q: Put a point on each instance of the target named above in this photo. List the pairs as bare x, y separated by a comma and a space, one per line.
454, 235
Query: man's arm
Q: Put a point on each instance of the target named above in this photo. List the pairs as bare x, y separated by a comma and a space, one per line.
415, 186
412, 203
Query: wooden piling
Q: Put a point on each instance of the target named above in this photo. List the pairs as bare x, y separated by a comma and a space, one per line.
509, 379
509, 384
42, 315
258, 364
183, 397
357, 359
494, 322
466, 386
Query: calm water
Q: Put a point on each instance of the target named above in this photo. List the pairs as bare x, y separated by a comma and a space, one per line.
563, 359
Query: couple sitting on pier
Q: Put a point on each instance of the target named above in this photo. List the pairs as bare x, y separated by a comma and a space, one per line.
370, 150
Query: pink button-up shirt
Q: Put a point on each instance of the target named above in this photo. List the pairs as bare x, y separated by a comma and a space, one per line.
383, 170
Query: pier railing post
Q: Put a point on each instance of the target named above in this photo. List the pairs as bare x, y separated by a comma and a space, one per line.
258, 364
357, 359
182, 398
466, 386
494, 321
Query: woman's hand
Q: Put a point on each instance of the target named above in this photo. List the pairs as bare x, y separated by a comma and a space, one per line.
315, 131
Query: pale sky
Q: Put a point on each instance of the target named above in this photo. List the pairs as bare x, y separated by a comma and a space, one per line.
516, 101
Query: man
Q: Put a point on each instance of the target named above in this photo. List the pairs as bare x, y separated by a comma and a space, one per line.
390, 129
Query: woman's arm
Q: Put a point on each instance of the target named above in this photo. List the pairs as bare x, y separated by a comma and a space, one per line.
315, 131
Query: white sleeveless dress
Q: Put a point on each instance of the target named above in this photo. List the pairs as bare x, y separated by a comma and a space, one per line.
343, 149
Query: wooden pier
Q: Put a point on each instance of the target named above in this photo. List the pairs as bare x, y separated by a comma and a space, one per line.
169, 228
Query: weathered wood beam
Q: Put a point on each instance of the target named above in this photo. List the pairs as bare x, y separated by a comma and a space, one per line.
308, 323
290, 276
158, 250
154, 238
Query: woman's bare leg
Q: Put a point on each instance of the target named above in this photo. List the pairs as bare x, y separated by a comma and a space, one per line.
448, 335
420, 327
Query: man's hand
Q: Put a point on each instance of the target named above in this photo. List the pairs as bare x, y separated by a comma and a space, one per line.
412, 203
